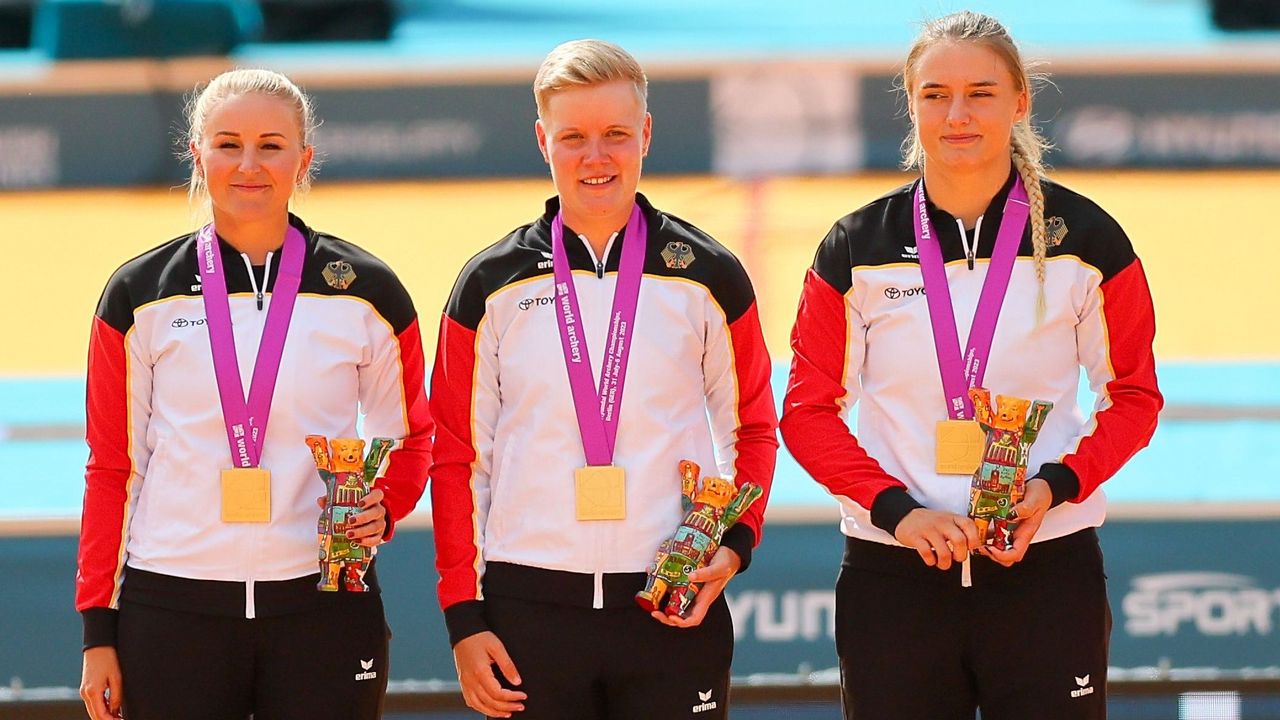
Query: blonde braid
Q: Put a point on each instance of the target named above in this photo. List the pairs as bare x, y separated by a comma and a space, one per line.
1028, 146
1030, 171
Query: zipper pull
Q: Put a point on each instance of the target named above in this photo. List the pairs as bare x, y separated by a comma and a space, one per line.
600, 269
970, 257
971, 252
253, 279
260, 290
266, 275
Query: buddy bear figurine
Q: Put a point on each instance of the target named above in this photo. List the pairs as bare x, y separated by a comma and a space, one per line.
709, 512
1000, 481
347, 479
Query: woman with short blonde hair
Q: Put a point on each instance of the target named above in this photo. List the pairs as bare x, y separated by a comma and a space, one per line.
550, 496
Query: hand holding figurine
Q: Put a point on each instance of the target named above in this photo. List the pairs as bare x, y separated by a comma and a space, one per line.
940, 537
999, 485
1029, 513
673, 582
712, 580
352, 519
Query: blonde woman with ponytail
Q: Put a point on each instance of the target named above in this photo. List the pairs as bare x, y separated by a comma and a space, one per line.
1033, 281
197, 576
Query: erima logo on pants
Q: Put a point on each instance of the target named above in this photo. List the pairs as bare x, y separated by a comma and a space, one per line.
367, 667
706, 704
1084, 688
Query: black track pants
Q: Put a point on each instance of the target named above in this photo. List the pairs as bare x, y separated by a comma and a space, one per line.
1023, 642
328, 662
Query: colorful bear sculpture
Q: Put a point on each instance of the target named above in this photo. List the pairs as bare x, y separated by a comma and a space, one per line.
709, 512
1011, 426
348, 477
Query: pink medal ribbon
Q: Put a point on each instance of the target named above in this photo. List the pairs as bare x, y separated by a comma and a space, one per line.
959, 373
598, 410
246, 421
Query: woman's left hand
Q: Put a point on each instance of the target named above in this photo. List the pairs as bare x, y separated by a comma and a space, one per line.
1029, 513
370, 524
711, 579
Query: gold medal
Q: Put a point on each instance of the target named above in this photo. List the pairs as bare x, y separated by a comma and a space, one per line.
601, 492
960, 445
246, 495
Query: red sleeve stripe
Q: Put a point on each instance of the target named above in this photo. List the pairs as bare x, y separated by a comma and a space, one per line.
109, 471
812, 425
407, 465
1127, 416
756, 443
455, 511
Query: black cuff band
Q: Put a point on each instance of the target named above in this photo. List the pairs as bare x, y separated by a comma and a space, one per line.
890, 506
740, 539
1063, 482
99, 626
464, 620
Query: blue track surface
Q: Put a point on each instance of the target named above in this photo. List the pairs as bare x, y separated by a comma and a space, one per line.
481, 28
485, 33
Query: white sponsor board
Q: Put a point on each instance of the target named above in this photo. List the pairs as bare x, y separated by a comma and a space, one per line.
1209, 603
28, 156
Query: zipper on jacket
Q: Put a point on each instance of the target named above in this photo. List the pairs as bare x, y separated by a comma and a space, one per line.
970, 253
600, 262
253, 280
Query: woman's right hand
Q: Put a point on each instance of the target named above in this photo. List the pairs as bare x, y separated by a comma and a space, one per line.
939, 537
475, 657
101, 686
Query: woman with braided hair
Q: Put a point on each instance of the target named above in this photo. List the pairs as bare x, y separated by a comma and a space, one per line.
1037, 281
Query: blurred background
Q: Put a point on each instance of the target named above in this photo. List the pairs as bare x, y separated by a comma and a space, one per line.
771, 120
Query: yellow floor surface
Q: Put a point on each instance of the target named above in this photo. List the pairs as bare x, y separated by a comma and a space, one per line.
1210, 249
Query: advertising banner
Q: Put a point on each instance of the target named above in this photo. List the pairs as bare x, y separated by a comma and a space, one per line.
378, 132
785, 120
741, 121
1184, 593
90, 140
1132, 120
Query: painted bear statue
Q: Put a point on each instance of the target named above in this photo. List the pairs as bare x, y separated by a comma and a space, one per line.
709, 512
1011, 426
348, 476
